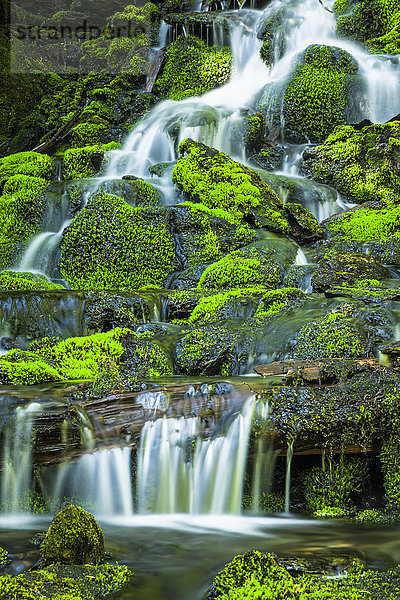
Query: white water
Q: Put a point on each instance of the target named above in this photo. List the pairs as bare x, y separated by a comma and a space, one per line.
208, 119
289, 456
17, 460
177, 470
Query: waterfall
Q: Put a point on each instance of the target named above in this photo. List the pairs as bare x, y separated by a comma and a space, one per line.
16, 473
289, 456
177, 470
180, 472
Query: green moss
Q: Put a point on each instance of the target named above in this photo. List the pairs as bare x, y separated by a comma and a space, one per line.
148, 195
376, 24
81, 163
367, 223
390, 459
3, 557
317, 96
111, 245
361, 165
75, 358
66, 583
260, 576
145, 357
193, 68
210, 351
242, 268
333, 336
219, 182
14, 280
31, 164
22, 209
73, 538
329, 490
275, 302
212, 309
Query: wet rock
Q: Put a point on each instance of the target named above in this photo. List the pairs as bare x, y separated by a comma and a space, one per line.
204, 173
390, 354
357, 164
269, 158
337, 269
73, 538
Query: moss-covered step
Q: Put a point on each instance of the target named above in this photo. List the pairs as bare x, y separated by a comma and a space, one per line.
212, 178
375, 24
363, 165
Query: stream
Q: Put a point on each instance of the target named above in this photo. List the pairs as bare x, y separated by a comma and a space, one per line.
169, 494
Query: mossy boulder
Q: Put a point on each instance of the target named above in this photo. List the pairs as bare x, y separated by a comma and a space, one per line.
248, 133
375, 24
18, 281
363, 165
31, 164
192, 68
112, 245
345, 268
336, 335
203, 234
212, 178
145, 356
373, 221
273, 30
321, 93
210, 351
86, 161
22, 211
261, 263
73, 538
239, 303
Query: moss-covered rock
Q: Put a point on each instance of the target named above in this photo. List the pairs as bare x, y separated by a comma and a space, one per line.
253, 265
215, 180
337, 335
144, 356
111, 245
22, 210
74, 358
31, 164
192, 68
275, 302
342, 268
370, 222
210, 351
203, 234
16, 280
80, 163
320, 94
62, 582
376, 24
363, 165
73, 538
258, 575
237, 303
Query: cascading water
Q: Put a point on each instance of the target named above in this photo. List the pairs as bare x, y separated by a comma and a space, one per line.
177, 470
212, 118
16, 474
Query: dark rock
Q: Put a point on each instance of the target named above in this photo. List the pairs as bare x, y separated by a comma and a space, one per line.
337, 269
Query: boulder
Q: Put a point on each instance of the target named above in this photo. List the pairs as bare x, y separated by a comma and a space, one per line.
73, 538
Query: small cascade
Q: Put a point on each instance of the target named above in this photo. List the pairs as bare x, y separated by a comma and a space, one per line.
301, 258
16, 473
180, 472
40, 254
264, 461
293, 159
289, 456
